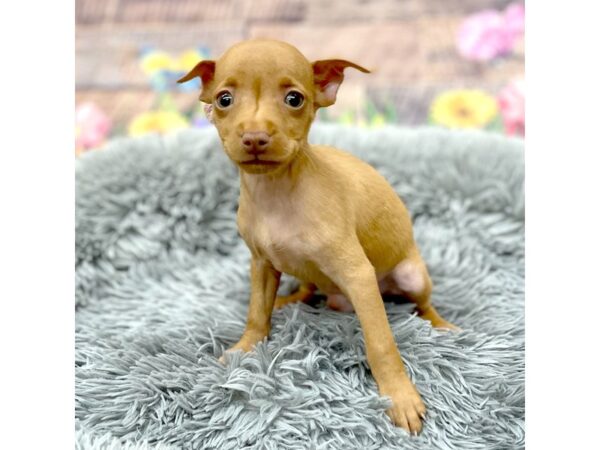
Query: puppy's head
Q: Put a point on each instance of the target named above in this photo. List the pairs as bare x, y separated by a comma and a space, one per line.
262, 96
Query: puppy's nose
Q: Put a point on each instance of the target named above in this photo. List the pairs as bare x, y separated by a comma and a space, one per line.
256, 142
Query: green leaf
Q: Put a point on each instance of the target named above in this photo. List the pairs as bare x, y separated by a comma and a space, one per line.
390, 112
496, 124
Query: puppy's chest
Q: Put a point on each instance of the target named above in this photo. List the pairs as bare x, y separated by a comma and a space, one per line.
282, 237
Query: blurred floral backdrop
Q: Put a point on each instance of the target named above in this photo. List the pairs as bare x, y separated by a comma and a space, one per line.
450, 63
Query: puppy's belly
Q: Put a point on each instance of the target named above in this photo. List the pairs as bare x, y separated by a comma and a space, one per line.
309, 273
295, 255
386, 282
299, 266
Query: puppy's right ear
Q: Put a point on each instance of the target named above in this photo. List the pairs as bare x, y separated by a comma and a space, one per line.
206, 71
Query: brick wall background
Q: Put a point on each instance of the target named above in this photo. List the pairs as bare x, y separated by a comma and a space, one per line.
409, 43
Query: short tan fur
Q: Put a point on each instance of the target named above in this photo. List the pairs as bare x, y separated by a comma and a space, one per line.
313, 211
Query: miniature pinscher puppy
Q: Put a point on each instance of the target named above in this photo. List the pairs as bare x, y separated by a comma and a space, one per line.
312, 211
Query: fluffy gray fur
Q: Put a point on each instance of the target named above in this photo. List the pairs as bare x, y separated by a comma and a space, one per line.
162, 290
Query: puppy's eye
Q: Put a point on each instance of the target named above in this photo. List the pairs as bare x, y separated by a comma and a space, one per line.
294, 99
224, 100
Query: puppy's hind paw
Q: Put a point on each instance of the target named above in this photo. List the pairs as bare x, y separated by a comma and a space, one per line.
445, 325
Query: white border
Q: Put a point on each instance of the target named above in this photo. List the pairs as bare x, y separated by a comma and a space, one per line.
562, 225
37, 238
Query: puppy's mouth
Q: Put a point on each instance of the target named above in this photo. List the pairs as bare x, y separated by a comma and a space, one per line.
259, 162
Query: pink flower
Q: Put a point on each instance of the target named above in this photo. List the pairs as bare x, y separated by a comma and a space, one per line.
490, 33
514, 17
511, 101
91, 126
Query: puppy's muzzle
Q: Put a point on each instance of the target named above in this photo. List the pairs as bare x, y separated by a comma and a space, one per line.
256, 142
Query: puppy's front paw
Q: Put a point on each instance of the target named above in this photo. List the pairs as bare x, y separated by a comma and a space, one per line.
245, 344
407, 409
239, 346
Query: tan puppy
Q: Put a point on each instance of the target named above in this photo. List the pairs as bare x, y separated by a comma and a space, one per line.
314, 212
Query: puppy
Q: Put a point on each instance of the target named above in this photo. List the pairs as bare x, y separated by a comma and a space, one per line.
311, 211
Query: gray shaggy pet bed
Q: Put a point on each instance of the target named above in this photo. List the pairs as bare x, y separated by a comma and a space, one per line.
162, 288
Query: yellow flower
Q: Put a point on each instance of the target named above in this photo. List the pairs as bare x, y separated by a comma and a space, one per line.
188, 60
347, 118
464, 109
156, 60
157, 122
378, 120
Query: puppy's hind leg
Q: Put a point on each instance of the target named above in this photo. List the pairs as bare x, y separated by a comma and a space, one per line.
413, 281
305, 292
338, 302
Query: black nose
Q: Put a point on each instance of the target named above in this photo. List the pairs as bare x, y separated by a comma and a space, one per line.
256, 142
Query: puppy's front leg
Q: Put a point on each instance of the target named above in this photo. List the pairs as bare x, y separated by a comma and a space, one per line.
264, 280
355, 276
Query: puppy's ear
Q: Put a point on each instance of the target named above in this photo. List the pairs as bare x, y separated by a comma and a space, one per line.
206, 71
328, 75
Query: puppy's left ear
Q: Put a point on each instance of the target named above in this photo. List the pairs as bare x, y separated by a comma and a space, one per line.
328, 75
206, 71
